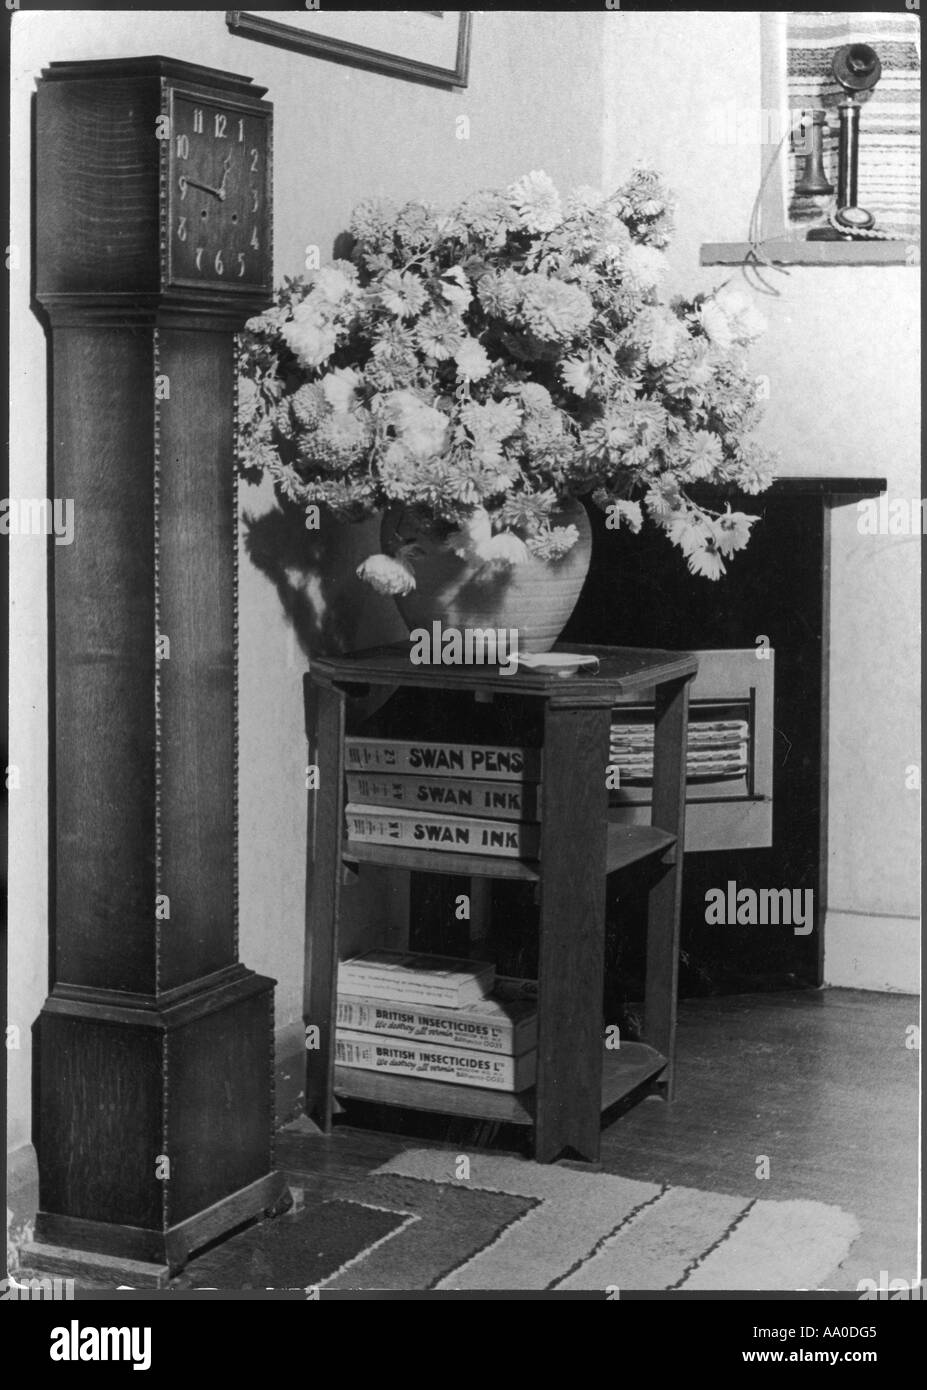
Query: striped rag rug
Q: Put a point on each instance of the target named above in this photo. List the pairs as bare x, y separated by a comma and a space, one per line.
511, 1224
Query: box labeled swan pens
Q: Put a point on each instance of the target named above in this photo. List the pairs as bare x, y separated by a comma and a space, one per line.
442, 759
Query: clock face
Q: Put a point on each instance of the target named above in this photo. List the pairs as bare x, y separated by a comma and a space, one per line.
219, 195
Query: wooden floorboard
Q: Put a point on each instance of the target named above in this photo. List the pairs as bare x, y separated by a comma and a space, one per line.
818, 1081
821, 1083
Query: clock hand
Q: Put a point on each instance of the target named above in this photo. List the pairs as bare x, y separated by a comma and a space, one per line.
207, 188
225, 173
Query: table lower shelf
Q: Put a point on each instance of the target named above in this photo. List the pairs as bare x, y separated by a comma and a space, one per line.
624, 1069
626, 844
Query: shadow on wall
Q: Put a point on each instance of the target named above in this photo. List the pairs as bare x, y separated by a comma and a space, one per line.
330, 611
328, 608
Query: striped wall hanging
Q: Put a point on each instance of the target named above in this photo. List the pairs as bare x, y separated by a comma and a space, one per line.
889, 160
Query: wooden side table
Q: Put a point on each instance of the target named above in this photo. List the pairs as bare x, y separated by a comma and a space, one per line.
577, 1076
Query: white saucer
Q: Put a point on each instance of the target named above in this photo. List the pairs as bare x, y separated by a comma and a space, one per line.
557, 663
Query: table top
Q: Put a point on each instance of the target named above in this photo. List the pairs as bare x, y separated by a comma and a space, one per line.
621, 671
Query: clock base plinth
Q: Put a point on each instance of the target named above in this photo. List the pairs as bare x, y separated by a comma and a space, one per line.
67, 1245
163, 1118
42, 1260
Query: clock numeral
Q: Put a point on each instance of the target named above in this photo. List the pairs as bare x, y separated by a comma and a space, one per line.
255, 200
219, 264
183, 147
182, 229
199, 258
221, 122
254, 239
241, 131
182, 185
197, 120
254, 160
241, 264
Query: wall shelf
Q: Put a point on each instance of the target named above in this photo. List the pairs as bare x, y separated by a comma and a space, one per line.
785, 251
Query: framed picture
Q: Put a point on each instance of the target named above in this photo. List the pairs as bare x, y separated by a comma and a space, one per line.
421, 45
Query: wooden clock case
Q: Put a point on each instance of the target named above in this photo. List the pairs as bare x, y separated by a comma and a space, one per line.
154, 1079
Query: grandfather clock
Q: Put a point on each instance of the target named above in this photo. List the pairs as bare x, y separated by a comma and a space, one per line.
155, 1045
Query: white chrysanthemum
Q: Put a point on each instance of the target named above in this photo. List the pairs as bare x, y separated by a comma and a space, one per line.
616, 232
537, 202
249, 398
487, 452
578, 373
610, 255
703, 450
663, 499
716, 324
386, 575
308, 405
535, 397
402, 294
343, 434
628, 512
310, 338
332, 283
707, 562
425, 434
455, 288
440, 335
473, 532
553, 309
619, 432
500, 293
472, 361
695, 536
664, 342
419, 426
269, 321
551, 545
340, 386
745, 320
732, 530
646, 265
701, 369
494, 420
585, 198
504, 549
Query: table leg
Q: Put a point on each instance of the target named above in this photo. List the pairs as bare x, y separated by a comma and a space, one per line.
665, 899
323, 893
572, 934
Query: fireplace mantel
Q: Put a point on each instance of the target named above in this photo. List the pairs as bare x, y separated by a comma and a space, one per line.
813, 486
640, 593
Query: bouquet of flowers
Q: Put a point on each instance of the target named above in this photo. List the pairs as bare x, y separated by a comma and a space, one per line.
484, 365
